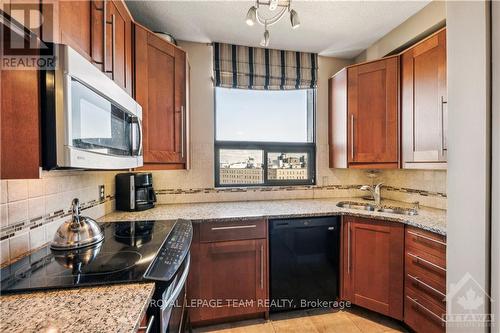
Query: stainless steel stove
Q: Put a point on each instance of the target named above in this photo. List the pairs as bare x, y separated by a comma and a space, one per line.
140, 251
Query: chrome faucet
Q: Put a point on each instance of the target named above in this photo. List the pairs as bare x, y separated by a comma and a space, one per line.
375, 191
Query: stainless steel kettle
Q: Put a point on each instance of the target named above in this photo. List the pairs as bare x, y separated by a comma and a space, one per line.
79, 232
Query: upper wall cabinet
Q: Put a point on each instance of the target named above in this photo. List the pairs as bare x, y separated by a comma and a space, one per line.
101, 31
363, 116
424, 104
160, 73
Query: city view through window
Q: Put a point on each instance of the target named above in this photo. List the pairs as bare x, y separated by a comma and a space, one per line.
264, 137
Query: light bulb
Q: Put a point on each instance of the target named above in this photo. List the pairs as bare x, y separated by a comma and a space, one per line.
294, 19
251, 16
265, 39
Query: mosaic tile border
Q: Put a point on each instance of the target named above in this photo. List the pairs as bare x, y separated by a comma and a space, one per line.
292, 188
11, 230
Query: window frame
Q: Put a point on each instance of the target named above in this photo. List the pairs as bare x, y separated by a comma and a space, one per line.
271, 147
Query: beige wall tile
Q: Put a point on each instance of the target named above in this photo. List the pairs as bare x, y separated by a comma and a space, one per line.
4, 251
4, 215
38, 237
19, 245
18, 211
36, 207
3, 192
35, 188
17, 190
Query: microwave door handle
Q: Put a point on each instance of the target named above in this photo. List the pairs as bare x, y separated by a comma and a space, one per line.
137, 148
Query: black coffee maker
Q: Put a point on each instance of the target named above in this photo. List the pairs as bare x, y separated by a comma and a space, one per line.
134, 191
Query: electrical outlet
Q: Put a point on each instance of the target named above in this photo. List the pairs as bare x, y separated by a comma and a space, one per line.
102, 193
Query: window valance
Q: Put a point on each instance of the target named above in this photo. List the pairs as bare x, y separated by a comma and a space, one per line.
246, 67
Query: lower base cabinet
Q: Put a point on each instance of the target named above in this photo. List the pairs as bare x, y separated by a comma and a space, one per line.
373, 265
229, 274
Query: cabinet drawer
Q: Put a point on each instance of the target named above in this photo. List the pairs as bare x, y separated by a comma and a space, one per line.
421, 315
426, 241
426, 288
232, 230
426, 267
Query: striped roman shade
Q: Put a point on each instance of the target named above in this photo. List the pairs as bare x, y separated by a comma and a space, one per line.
257, 68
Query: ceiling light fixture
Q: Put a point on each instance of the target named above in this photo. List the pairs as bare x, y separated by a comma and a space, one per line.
253, 16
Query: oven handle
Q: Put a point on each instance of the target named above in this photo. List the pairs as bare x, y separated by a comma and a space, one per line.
179, 286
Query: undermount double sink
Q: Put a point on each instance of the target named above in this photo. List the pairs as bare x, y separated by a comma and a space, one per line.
373, 208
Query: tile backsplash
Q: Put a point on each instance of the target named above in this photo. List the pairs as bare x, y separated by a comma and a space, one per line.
32, 210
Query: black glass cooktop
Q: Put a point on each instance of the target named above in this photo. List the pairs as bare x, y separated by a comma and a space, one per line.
124, 256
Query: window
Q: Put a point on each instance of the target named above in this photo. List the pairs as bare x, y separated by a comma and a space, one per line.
264, 137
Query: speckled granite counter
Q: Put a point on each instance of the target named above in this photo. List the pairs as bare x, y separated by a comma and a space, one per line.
114, 308
429, 219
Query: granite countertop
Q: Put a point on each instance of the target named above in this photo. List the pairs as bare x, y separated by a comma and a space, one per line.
430, 219
111, 308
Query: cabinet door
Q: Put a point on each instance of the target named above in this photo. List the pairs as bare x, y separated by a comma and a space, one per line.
234, 276
424, 98
157, 94
75, 25
373, 260
118, 48
372, 102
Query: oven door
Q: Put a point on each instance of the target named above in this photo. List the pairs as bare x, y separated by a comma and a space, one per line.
173, 310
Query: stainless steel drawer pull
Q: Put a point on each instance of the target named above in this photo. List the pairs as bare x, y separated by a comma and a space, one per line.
426, 262
262, 267
149, 325
420, 306
426, 238
419, 281
235, 227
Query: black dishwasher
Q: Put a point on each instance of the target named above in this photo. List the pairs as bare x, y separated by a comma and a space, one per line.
304, 262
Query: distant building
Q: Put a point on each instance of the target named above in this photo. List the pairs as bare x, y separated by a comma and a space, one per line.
234, 176
289, 173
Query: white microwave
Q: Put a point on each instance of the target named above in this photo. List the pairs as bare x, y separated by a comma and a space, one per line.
88, 121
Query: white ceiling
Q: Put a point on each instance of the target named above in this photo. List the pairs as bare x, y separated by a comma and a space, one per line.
331, 28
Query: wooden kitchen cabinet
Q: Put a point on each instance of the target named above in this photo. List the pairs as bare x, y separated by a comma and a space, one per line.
107, 43
425, 281
229, 275
160, 73
373, 265
424, 104
364, 115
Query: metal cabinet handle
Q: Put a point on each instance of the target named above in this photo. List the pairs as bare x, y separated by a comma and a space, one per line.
182, 132
148, 327
415, 302
113, 45
419, 281
348, 248
426, 262
443, 143
103, 10
235, 227
426, 238
352, 137
262, 267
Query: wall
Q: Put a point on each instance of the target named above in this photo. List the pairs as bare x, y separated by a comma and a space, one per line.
495, 208
197, 184
32, 210
428, 19
469, 159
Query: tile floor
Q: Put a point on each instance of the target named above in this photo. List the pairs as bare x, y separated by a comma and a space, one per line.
354, 320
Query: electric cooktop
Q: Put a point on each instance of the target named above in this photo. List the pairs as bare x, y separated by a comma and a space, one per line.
130, 252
